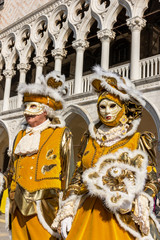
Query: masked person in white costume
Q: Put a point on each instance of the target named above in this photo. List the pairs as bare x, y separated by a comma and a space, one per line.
112, 190
39, 167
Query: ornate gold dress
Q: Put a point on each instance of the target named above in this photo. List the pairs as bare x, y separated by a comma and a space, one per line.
93, 219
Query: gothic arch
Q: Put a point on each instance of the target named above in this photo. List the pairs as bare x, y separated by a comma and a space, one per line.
155, 115
11, 128
106, 17
134, 8
63, 38
23, 37
69, 112
9, 51
4, 125
57, 32
24, 44
80, 25
4, 143
128, 6
40, 36
77, 120
151, 122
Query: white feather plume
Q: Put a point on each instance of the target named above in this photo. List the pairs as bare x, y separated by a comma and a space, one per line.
128, 86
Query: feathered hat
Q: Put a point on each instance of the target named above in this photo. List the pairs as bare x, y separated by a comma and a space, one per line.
49, 91
114, 84
118, 89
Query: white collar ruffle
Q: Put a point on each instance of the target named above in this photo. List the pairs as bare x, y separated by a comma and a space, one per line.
29, 144
105, 136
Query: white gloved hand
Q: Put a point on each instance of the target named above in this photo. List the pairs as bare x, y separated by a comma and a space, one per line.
125, 207
141, 213
66, 226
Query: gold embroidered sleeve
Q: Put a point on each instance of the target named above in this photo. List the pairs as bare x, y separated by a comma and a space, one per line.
67, 159
76, 181
147, 144
76, 185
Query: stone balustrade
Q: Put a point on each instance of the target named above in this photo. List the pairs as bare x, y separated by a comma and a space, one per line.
149, 68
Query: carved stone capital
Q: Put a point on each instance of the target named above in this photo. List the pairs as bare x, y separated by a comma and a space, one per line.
40, 61
80, 44
13, 126
136, 23
24, 67
105, 34
9, 73
58, 52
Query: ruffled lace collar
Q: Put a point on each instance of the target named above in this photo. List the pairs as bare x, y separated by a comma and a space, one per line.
106, 136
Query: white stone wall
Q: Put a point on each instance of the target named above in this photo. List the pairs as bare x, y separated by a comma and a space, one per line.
16, 9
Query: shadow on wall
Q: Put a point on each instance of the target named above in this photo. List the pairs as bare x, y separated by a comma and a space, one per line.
5, 160
148, 124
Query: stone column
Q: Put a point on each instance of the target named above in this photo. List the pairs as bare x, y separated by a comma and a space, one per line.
8, 73
58, 55
80, 46
23, 68
135, 25
39, 62
105, 37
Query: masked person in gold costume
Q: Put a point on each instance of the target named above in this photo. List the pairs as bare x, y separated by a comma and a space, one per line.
40, 161
112, 189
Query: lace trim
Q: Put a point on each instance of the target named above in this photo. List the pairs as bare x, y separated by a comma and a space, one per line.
110, 137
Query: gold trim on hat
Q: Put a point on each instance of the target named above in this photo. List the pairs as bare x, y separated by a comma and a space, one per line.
55, 105
96, 83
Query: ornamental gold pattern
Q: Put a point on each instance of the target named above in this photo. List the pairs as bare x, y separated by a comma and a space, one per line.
117, 183
117, 178
50, 155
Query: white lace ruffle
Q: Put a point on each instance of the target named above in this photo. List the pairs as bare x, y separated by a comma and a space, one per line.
29, 144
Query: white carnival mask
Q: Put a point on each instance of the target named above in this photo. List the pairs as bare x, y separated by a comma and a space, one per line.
109, 110
33, 108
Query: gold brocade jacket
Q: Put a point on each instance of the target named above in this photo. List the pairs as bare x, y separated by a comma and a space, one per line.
91, 151
40, 176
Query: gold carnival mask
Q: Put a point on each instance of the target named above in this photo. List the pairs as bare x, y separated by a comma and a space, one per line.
33, 108
110, 109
